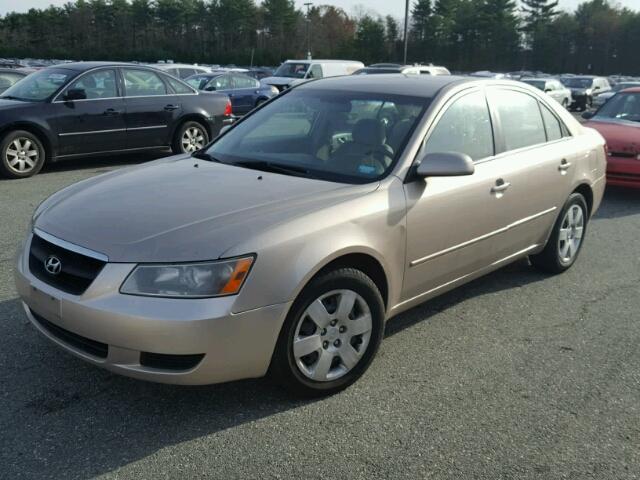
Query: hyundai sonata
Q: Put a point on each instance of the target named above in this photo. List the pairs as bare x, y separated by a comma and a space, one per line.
285, 245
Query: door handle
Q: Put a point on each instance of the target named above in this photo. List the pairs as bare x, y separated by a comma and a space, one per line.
112, 111
500, 186
171, 108
564, 165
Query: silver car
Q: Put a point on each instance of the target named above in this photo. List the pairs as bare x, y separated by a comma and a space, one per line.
552, 87
287, 243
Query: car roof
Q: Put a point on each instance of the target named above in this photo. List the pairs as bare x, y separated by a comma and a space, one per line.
632, 90
391, 83
82, 66
318, 60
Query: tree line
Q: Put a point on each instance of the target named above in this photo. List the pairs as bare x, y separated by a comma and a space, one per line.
465, 35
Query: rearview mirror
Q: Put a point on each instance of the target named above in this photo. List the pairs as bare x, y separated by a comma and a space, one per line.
587, 115
75, 94
445, 164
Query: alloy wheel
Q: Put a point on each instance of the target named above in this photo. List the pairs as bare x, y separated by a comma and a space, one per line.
22, 155
571, 232
332, 335
193, 139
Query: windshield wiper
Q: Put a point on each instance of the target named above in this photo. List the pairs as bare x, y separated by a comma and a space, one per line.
265, 166
202, 155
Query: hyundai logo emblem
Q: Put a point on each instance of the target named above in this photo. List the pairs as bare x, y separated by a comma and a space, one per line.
53, 265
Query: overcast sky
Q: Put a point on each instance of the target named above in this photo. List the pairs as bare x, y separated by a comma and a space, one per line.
383, 7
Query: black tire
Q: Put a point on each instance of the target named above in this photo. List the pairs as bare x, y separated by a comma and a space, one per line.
177, 144
549, 260
15, 165
284, 368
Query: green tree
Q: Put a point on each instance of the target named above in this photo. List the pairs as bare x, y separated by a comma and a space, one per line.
369, 42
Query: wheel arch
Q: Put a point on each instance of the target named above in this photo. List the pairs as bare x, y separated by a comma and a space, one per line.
34, 129
191, 117
585, 190
365, 262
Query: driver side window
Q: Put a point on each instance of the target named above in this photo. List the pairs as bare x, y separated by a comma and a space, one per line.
100, 84
464, 128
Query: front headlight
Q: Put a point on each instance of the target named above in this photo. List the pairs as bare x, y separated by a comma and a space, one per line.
189, 280
274, 90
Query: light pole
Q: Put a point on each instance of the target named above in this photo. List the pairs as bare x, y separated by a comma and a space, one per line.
406, 30
308, 5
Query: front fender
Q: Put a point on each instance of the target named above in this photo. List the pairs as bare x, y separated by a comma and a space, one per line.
290, 254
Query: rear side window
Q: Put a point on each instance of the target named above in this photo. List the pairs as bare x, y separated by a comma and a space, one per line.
552, 124
143, 83
464, 128
242, 81
520, 120
186, 72
178, 87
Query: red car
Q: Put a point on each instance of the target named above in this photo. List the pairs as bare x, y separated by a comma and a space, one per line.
618, 121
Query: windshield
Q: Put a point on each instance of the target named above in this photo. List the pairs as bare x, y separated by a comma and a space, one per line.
622, 106
333, 135
292, 70
40, 85
577, 82
539, 84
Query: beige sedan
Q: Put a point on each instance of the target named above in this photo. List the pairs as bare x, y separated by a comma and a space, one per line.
285, 245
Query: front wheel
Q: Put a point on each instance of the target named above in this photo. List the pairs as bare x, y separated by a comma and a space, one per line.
22, 153
566, 239
190, 137
331, 334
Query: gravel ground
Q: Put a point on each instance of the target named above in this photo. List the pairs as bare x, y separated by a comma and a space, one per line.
516, 375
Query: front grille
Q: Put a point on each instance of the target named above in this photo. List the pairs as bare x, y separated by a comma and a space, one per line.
92, 347
169, 362
77, 270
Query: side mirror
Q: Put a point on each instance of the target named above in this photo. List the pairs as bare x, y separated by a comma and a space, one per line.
596, 88
547, 90
588, 115
75, 94
445, 164
210, 88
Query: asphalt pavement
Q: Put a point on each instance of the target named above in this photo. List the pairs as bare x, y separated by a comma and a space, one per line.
518, 375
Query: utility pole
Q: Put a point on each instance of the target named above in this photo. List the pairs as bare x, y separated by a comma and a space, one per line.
406, 30
308, 5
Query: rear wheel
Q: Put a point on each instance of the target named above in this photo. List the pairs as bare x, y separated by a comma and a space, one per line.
190, 137
22, 154
566, 239
331, 334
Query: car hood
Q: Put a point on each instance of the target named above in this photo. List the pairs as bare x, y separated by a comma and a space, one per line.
181, 209
621, 136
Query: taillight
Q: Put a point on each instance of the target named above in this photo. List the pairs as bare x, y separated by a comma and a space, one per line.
228, 111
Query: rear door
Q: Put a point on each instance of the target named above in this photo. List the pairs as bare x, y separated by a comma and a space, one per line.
536, 156
94, 124
151, 108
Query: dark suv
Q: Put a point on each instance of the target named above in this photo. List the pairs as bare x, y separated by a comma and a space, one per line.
85, 109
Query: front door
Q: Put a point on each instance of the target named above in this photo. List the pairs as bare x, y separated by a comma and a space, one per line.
455, 224
151, 109
92, 124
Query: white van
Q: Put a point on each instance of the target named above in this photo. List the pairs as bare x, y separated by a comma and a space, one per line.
293, 72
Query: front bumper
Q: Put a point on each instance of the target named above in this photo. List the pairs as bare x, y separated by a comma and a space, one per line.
224, 345
623, 172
